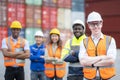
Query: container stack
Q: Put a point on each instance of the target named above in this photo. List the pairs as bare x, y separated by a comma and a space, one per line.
42, 15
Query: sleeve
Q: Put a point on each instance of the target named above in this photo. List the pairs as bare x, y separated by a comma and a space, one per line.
26, 47
4, 45
112, 51
36, 58
66, 54
82, 51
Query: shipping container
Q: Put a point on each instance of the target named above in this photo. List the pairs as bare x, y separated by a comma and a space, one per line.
61, 18
49, 17
3, 14
64, 18
53, 17
21, 14
34, 2
64, 3
51, 3
29, 34
37, 16
78, 5
78, 15
68, 15
16, 1
29, 16
16, 11
11, 13
110, 11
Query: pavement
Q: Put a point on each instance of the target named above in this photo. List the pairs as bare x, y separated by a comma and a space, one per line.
27, 68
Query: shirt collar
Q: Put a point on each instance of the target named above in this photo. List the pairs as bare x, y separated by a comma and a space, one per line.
101, 36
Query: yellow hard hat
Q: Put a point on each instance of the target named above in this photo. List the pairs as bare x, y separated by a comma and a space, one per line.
55, 31
16, 24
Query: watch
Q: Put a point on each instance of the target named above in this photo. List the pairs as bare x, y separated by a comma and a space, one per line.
93, 65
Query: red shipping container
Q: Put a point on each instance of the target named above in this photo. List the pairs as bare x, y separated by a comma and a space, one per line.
68, 3
29, 16
16, 1
53, 17
45, 17
11, 13
64, 3
21, 14
16, 12
37, 16
3, 14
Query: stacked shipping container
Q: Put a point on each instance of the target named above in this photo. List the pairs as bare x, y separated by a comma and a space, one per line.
40, 15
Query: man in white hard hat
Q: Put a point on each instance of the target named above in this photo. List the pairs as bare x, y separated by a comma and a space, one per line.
71, 50
98, 51
37, 52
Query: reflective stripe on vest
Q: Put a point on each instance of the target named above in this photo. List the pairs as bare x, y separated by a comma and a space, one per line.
105, 72
11, 47
54, 69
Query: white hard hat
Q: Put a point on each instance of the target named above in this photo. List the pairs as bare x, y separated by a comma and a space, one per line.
39, 33
94, 16
79, 22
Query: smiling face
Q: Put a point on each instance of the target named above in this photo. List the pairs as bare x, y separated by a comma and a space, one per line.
95, 27
78, 30
38, 39
15, 32
54, 38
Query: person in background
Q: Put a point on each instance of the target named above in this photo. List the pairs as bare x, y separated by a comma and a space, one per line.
15, 50
71, 50
37, 52
55, 67
98, 51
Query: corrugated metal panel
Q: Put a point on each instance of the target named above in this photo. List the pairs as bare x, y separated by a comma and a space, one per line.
53, 17
37, 16
37, 2
33, 2
21, 14
11, 13
111, 23
29, 16
16, 12
78, 5
78, 15
61, 18
29, 34
3, 14
105, 7
67, 18
64, 3
45, 17
52, 3
16, 1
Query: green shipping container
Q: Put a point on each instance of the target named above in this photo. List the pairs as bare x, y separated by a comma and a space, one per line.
29, 34
34, 2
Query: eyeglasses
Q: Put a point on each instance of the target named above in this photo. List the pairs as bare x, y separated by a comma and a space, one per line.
95, 24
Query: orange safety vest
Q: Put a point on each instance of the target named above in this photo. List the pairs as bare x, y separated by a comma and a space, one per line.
100, 49
13, 47
54, 69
